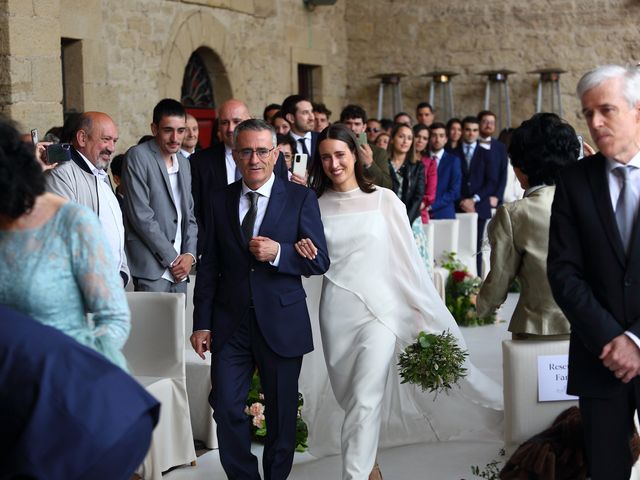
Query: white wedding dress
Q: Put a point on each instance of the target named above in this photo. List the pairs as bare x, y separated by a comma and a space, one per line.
376, 297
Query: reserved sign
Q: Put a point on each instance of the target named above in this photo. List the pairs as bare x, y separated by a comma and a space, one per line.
553, 373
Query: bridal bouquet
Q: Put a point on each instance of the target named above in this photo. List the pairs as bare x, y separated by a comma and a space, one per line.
256, 410
434, 362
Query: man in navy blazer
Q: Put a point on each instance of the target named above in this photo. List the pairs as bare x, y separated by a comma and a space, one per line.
498, 152
249, 304
479, 179
449, 174
214, 168
593, 267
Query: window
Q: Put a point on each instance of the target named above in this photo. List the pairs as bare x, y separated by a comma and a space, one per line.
72, 76
310, 81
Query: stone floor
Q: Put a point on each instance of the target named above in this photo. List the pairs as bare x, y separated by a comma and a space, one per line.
443, 461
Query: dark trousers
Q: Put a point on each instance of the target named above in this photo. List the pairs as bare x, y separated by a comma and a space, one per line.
481, 224
231, 371
608, 428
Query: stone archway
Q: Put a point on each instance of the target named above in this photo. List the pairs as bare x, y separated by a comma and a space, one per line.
202, 32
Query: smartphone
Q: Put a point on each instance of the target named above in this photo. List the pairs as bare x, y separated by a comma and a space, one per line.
300, 164
361, 138
581, 152
34, 136
58, 153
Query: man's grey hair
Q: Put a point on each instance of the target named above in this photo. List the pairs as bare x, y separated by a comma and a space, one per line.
254, 125
630, 81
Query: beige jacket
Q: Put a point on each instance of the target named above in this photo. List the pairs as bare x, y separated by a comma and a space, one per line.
519, 237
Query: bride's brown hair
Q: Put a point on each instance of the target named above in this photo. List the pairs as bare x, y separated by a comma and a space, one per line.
319, 180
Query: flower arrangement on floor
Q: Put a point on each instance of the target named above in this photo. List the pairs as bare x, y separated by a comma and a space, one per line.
256, 410
460, 293
434, 362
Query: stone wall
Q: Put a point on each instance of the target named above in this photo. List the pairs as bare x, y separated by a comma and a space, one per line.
418, 36
30, 71
134, 53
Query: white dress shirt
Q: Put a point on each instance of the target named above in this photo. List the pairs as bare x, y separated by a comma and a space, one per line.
472, 149
307, 141
230, 164
485, 143
615, 182
264, 193
437, 155
109, 213
176, 191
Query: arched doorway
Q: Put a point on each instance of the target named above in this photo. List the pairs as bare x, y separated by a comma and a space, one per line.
204, 85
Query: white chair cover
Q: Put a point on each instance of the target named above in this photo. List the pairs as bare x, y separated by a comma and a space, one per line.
467, 238
445, 237
198, 382
155, 354
439, 274
524, 416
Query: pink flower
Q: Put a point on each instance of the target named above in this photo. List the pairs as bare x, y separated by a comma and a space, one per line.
256, 409
258, 420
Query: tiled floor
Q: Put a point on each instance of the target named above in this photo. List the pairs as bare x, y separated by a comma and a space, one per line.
443, 461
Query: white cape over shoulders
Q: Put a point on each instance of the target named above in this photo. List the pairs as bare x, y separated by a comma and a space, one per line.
390, 279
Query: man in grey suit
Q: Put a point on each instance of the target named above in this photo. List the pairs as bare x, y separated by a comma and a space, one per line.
161, 230
84, 180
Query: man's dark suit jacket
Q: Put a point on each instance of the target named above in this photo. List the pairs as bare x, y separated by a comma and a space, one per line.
230, 279
209, 174
592, 280
478, 179
448, 187
500, 161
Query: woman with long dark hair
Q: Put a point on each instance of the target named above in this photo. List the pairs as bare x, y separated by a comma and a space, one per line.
422, 135
408, 183
454, 134
376, 297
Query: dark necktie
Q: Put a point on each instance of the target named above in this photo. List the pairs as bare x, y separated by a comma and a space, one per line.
303, 144
467, 154
249, 219
625, 208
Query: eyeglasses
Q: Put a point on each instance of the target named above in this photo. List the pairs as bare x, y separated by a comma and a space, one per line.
372, 130
262, 153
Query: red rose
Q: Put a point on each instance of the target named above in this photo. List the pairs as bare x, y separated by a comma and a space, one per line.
459, 275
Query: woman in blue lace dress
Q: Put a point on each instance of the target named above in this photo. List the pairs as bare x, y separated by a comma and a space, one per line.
54, 258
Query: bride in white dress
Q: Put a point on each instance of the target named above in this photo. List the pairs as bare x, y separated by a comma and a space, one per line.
376, 297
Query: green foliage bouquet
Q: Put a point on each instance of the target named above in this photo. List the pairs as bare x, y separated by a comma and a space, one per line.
434, 362
255, 409
460, 294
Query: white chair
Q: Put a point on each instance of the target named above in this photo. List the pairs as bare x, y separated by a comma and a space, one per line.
155, 354
429, 232
524, 416
445, 237
198, 381
467, 238
439, 275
